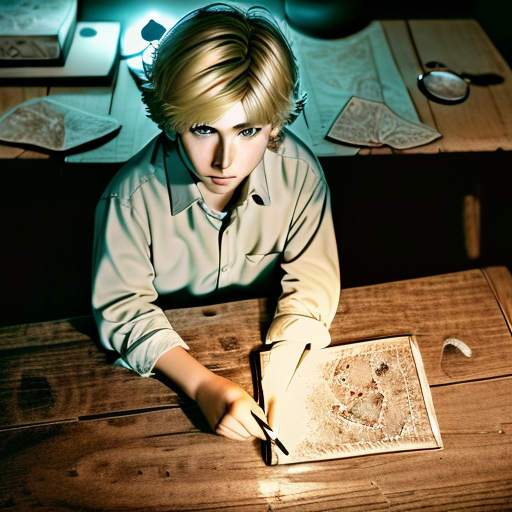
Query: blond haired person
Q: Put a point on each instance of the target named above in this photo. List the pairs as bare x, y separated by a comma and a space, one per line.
223, 205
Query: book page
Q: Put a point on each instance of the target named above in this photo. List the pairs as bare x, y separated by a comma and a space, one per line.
357, 399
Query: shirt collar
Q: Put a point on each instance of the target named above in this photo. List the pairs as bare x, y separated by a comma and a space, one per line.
183, 188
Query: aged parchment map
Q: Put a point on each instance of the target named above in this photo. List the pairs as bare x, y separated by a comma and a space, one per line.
372, 123
49, 124
357, 399
333, 71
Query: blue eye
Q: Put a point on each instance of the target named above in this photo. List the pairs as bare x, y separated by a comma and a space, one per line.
249, 132
202, 129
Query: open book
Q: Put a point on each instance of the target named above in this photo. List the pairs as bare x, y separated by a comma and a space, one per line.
355, 399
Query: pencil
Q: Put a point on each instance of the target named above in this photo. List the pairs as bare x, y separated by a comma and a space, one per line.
270, 433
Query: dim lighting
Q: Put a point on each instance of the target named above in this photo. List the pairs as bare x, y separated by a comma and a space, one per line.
133, 42
141, 38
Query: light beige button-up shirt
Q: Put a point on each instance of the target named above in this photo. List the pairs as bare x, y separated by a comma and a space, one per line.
157, 247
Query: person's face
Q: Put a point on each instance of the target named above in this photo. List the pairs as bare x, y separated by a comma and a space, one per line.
225, 152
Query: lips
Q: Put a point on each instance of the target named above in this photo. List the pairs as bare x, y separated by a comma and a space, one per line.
222, 181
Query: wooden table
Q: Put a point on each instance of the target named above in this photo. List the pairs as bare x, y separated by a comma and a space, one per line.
79, 434
484, 121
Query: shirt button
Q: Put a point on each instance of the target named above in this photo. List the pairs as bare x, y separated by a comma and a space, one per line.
225, 268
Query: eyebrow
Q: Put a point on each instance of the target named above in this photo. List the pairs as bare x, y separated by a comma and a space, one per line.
236, 127
244, 125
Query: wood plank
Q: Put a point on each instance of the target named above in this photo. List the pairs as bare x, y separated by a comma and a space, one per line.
459, 305
168, 460
500, 281
9, 98
56, 370
472, 471
484, 121
384, 150
397, 33
136, 131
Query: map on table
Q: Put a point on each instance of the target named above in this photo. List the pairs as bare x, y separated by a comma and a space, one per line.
335, 70
356, 399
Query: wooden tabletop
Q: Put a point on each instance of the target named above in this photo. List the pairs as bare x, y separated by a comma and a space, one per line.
482, 123
79, 434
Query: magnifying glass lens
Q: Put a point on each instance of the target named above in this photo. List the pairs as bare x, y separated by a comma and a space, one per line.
445, 86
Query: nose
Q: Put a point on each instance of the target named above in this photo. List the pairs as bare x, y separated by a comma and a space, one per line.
224, 153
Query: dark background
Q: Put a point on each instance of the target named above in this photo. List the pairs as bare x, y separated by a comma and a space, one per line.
396, 216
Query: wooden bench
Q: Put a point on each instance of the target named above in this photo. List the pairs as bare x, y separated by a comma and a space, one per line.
80, 434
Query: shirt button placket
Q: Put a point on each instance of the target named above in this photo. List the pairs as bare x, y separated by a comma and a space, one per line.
225, 262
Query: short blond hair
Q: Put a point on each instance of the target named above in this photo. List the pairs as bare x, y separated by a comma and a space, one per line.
215, 57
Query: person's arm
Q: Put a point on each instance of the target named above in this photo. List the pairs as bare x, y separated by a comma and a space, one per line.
310, 289
129, 322
123, 292
226, 406
311, 281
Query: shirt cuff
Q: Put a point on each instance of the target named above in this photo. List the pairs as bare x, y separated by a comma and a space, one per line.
143, 358
299, 328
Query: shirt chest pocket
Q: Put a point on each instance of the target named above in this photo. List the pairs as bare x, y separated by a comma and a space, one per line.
263, 259
262, 271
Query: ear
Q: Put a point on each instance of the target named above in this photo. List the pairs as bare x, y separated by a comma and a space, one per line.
274, 139
275, 131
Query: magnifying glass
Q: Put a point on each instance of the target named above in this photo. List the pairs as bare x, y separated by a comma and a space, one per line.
444, 86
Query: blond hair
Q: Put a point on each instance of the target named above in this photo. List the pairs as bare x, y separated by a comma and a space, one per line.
215, 57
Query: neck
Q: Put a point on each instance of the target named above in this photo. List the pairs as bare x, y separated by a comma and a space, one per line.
215, 201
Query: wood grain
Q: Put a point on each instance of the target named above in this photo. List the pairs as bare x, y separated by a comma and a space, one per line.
500, 282
167, 460
459, 305
397, 33
484, 121
56, 371
384, 150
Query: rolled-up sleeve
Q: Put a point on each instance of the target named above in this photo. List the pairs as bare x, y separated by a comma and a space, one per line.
311, 281
123, 290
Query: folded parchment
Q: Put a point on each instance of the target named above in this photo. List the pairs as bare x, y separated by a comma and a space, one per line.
48, 124
371, 123
360, 398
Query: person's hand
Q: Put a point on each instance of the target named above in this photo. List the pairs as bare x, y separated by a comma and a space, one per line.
284, 357
227, 407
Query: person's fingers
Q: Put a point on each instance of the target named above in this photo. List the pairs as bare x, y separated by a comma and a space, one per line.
228, 422
259, 412
240, 420
227, 432
242, 411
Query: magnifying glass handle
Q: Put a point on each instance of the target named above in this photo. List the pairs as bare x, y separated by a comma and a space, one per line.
483, 79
